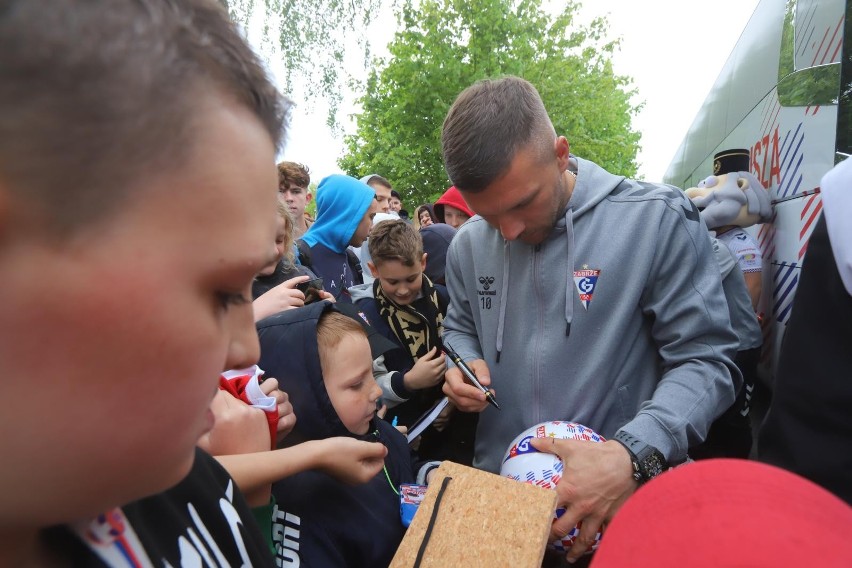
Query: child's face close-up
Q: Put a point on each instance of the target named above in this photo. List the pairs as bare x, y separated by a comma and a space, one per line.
362, 231
454, 217
383, 195
400, 283
281, 243
296, 198
348, 377
127, 363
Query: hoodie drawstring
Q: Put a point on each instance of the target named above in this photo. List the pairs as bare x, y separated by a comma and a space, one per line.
505, 292
569, 283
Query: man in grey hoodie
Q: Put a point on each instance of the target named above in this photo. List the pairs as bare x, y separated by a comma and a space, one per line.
578, 295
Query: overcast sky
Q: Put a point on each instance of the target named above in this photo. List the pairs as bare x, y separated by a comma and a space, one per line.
673, 49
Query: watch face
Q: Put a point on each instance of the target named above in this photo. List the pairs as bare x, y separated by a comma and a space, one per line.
653, 466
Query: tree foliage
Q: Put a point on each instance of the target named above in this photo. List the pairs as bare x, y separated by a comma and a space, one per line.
444, 46
314, 38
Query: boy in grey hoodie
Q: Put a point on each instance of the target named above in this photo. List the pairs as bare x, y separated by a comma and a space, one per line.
579, 295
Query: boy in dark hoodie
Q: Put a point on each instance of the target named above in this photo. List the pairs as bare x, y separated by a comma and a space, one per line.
322, 359
345, 211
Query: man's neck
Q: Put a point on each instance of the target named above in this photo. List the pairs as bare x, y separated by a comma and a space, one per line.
569, 179
299, 228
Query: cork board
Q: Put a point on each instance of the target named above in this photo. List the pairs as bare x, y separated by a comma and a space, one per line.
483, 520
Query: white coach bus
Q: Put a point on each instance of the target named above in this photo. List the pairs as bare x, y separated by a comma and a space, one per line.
785, 93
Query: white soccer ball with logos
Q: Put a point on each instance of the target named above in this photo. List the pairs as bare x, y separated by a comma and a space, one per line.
524, 463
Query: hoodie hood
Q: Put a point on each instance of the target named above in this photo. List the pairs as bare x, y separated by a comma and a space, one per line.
289, 353
342, 202
452, 197
361, 291
591, 185
436, 242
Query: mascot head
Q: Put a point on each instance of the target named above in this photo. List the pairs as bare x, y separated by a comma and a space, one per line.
731, 197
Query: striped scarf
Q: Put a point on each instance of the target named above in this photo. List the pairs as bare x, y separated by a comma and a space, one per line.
417, 331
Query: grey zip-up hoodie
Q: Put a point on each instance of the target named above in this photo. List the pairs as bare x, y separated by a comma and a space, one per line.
647, 347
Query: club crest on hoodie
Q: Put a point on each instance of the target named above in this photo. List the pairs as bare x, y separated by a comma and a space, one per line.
585, 281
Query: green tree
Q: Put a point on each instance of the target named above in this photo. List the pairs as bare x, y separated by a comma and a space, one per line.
444, 46
312, 38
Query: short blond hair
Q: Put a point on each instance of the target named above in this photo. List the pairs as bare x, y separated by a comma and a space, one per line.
332, 327
395, 240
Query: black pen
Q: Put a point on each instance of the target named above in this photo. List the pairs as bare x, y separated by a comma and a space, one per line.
489, 396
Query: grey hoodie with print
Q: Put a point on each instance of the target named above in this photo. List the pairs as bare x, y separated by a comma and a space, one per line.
616, 321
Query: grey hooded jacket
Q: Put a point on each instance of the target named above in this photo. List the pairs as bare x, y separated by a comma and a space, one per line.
643, 345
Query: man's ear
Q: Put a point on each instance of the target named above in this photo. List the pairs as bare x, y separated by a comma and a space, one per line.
563, 152
308, 196
372, 268
423, 261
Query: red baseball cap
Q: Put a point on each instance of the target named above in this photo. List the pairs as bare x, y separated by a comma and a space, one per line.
727, 512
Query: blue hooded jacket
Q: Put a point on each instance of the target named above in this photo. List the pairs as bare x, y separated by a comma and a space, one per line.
342, 202
319, 521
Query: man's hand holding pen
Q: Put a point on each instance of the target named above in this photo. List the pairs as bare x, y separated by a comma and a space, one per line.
470, 376
461, 391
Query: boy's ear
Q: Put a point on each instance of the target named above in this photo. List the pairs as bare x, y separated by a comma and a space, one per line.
372, 268
423, 261
308, 196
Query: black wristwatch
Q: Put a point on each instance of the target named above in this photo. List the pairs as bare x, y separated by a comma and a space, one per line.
648, 461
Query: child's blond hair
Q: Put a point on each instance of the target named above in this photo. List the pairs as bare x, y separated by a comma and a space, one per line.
332, 327
395, 240
289, 225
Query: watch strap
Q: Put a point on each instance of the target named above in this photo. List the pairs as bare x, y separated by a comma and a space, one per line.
648, 462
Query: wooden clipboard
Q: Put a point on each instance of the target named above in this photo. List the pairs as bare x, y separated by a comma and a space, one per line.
482, 520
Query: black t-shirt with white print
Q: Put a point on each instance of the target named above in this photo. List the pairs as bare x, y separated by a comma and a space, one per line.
202, 521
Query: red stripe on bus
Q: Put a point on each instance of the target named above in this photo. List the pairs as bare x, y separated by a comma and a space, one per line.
808, 203
834, 35
810, 221
816, 53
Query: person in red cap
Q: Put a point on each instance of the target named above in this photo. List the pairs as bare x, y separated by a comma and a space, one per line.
728, 512
452, 209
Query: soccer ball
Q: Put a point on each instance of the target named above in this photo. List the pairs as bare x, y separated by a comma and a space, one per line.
524, 463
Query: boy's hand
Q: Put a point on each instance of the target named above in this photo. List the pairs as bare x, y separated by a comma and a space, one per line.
239, 428
427, 371
443, 418
464, 395
352, 461
285, 296
286, 416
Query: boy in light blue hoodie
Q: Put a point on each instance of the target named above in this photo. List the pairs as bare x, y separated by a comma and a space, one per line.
345, 211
